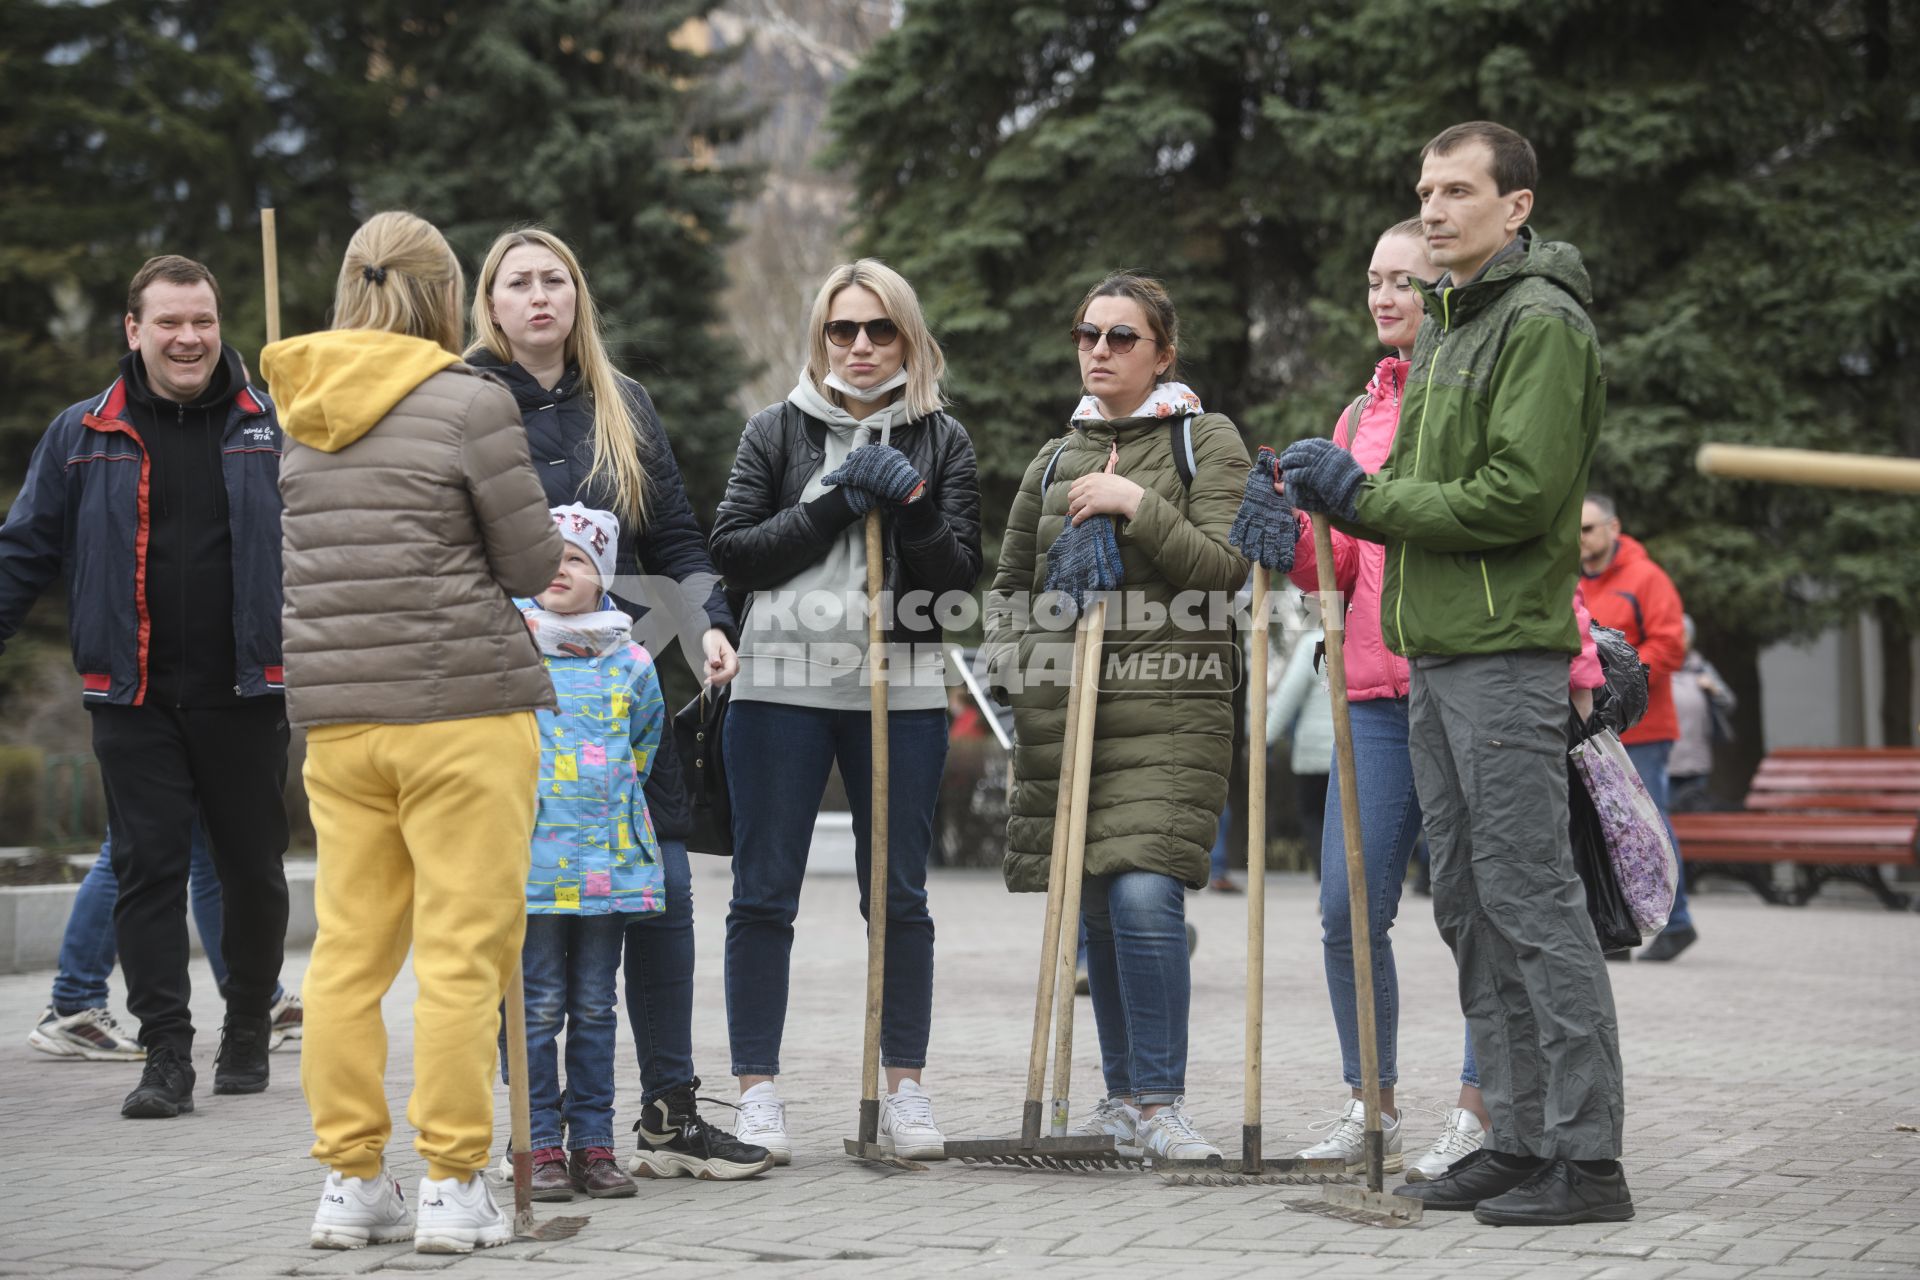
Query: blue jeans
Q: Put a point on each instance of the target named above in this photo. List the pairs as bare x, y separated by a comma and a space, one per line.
778, 758
660, 982
1137, 973
88, 950
1389, 828
570, 965
1218, 857
1650, 762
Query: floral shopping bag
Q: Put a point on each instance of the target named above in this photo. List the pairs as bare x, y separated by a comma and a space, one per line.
1644, 860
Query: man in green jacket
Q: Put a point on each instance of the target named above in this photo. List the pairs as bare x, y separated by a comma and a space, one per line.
1479, 508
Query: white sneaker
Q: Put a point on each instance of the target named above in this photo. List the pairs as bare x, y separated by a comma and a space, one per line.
1170, 1135
91, 1034
286, 1020
1348, 1141
1114, 1118
1461, 1137
357, 1212
762, 1122
906, 1125
459, 1217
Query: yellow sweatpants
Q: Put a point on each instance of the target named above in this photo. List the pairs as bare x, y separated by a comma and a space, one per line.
424, 837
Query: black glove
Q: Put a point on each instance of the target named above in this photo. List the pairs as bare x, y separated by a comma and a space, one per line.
1265, 530
1085, 560
1322, 477
875, 473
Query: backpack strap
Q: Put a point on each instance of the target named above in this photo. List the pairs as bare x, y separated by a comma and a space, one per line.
1046, 477
1180, 440
1353, 419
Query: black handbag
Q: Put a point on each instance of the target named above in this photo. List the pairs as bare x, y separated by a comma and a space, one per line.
696, 732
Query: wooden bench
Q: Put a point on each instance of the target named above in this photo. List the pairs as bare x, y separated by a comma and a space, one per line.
1835, 814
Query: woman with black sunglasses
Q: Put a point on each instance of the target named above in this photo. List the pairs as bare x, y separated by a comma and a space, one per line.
863, 429
1141, 452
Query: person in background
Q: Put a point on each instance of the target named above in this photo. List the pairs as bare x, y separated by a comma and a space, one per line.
1703, 705
596, 861
596, 438
1300, 713
77, 1023
158, 501
1624, 589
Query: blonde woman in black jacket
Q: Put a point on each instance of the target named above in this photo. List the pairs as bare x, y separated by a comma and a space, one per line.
863, 429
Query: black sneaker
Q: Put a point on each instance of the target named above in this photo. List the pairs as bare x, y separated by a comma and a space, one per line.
1670, 944
1476, 1176
165, 1089
1562, 1193
674, 1140
241, 1064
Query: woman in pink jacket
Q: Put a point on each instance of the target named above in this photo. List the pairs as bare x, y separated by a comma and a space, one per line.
1377, 692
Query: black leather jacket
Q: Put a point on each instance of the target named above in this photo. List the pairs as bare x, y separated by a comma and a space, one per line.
763, 534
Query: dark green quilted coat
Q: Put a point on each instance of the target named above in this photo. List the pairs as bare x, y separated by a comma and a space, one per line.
1163, 744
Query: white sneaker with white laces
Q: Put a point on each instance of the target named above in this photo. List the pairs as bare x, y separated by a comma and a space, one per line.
906, 1124
762, 1122
1348, 1141
1169, 1135
1461, 1138
459, 1217
91, 1034
357, 1212
1114, 1118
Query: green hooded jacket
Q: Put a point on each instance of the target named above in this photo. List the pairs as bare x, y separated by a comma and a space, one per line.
1479, 501
1163, 738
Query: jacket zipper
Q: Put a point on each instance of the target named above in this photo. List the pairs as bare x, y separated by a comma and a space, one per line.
1419, 451
180, 507
1487, 584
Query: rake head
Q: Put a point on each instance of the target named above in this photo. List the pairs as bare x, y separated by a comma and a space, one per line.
525, 1228
874, 1153
1060, 1163
1357, 1204
1244, 1173
1074, 1154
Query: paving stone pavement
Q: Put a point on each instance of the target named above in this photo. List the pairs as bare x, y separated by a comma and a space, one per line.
1767, 1073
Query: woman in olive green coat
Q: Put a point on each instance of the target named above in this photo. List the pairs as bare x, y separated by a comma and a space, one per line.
1142, 452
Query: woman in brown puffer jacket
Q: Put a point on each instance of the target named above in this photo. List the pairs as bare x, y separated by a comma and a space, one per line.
412, 513
1143, 453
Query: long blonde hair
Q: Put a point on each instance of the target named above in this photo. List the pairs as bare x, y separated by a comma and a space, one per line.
924, 363
399, 276
616, 429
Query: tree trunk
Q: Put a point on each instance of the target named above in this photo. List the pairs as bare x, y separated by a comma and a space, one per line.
1737, 658
1896, 664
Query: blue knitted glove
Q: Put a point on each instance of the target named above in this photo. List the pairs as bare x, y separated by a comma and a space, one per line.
1264, 531
875, 473
1085, 560
1322, 477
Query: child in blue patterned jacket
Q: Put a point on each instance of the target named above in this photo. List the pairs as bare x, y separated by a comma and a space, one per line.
596, 863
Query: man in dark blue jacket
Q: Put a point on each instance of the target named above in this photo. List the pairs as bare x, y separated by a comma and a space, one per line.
158, 501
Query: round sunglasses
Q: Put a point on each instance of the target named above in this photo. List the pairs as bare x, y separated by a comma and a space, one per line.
881, 332
1120, 338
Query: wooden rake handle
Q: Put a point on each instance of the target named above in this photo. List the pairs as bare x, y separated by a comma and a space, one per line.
1810, 467
876, 841
1333, 618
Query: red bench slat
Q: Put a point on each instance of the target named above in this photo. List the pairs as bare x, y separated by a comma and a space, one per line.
1793, 801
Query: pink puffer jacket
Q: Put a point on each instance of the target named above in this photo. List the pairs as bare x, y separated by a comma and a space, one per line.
1359, 567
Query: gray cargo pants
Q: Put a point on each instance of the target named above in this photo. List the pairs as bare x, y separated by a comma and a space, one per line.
1488, 734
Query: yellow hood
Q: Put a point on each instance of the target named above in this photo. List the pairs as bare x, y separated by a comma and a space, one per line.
332, 387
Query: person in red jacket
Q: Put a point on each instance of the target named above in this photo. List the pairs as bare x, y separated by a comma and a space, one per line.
1624, 589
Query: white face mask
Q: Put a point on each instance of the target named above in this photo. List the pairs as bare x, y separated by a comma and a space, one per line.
866, 395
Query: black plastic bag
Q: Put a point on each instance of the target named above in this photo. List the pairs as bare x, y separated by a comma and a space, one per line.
1606, 906
1622, 700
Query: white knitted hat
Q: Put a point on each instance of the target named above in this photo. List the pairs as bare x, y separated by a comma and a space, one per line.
595, 532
